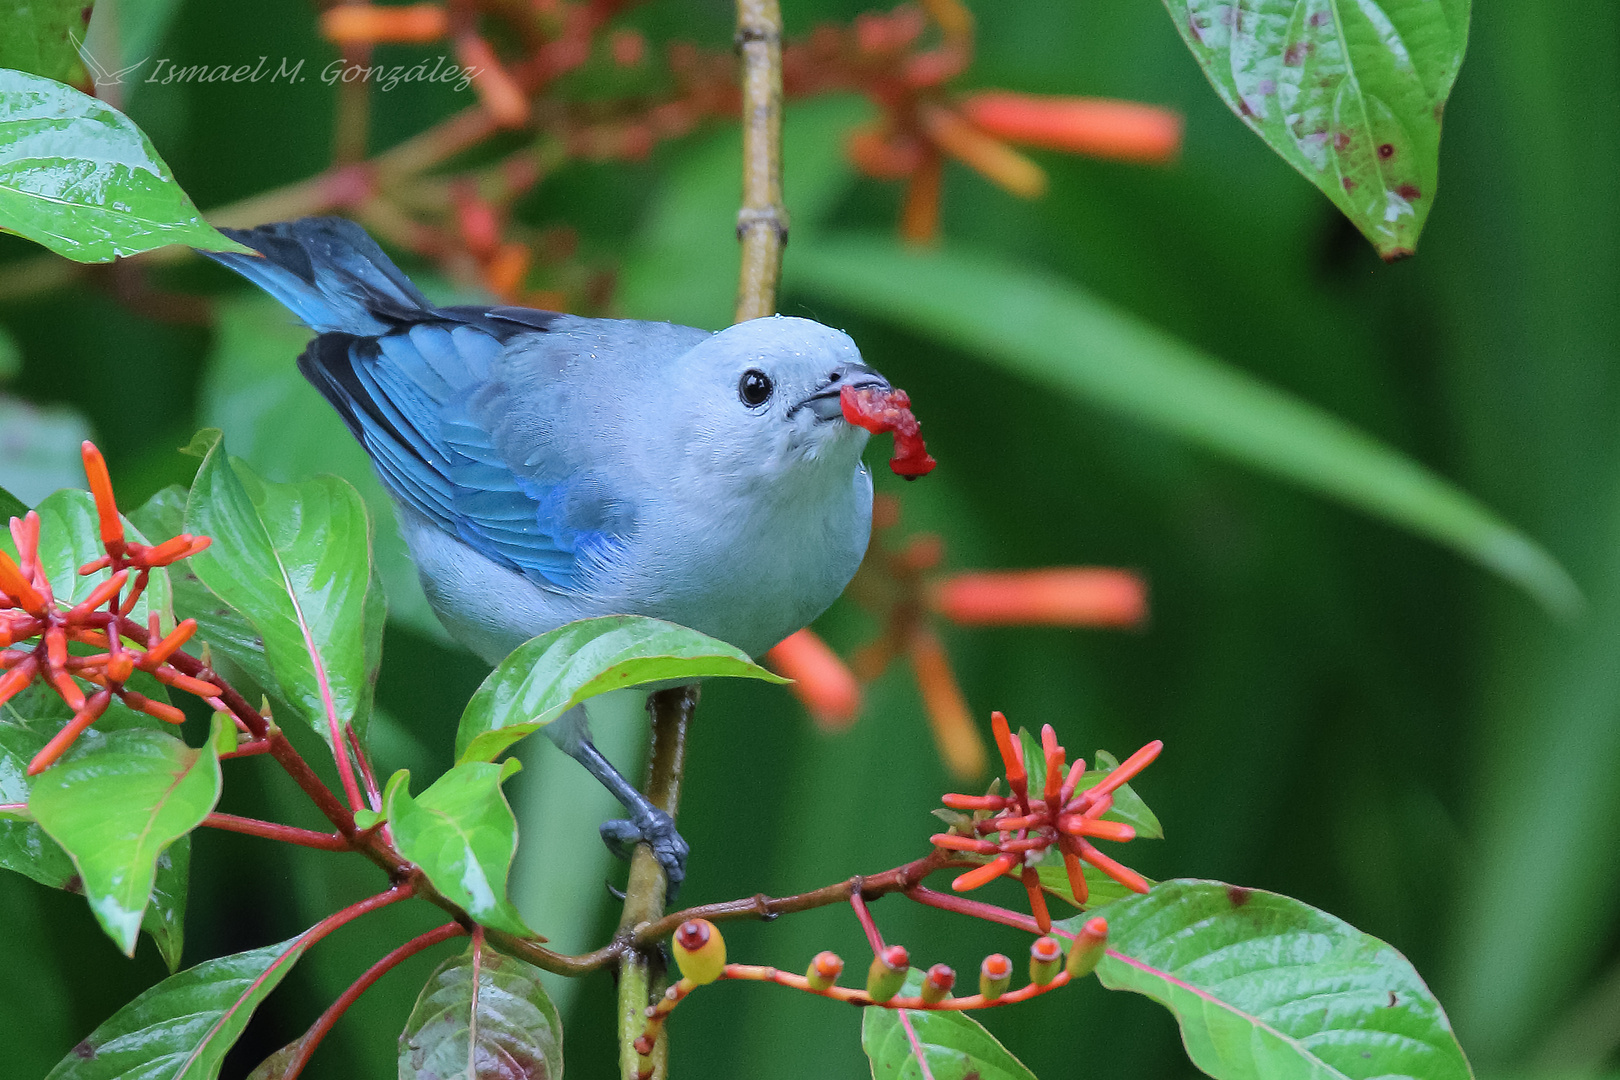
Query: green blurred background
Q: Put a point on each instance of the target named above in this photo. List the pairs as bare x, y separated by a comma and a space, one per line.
1353, 715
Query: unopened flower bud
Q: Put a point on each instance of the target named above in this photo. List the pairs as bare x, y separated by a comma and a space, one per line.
887, 973
1045, 957
700, 951
824, 970
995, 975
937, 984
1088, 948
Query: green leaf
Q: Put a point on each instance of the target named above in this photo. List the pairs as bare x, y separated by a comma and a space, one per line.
1268, 988
114, 802
27, 722
956, 1045
497, 1024
1066, 339
40, 36
462, 833
227, 633
181, 1028
11, 506
1128, 805
70, 536
548, 675
1350, 94
78, 176
165, 916
294, 560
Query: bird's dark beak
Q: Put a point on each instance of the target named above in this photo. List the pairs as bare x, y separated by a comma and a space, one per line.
824, 402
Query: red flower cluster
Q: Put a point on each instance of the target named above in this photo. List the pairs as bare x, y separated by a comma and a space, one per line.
922, 123
29, 611
902, 60
1018, 829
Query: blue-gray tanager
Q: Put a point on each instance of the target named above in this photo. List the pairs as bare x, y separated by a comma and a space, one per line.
550, 467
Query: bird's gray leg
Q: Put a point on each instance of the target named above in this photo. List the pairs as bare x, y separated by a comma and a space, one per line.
646, 824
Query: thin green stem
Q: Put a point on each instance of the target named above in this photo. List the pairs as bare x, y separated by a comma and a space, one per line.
645, 892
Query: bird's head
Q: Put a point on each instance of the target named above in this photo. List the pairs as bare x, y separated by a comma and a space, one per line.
765, 397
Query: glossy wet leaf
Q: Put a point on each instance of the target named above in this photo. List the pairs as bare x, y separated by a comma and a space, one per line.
181, 1028
226, 633
1128, 805
462, 833
114, 802
78, 176
499, 1025
1349, 93
294, 560
27, 722
70, 536
956, 1045
40, 36
1061, 337
550, 674
1266, 987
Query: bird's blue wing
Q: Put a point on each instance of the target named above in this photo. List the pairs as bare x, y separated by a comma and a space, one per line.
408, 396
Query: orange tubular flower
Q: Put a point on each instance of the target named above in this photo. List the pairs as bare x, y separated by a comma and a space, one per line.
1097, 127
502, 97
947, 710
1023, 826
29, 610
989, 156
821, 680
362, 24
1061, 596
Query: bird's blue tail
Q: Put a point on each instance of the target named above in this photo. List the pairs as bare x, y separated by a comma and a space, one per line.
329, 273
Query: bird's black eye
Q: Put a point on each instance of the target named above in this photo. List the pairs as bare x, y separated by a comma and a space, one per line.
755, 387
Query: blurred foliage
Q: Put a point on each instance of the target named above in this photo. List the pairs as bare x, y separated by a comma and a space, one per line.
1354, 716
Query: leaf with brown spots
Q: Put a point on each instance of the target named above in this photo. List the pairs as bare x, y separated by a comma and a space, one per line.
1350, 94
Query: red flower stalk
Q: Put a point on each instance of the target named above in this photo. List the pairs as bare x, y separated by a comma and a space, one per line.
1019, 829
29, 610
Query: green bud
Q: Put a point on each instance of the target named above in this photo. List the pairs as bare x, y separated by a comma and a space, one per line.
887, 973
824, 970
1088, 948
1045, 958
995, 975
937, 984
